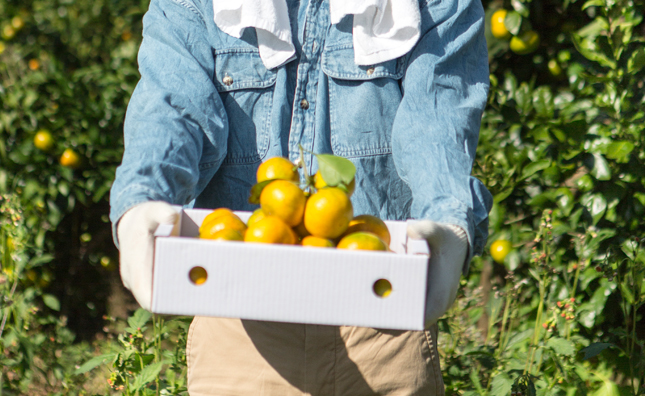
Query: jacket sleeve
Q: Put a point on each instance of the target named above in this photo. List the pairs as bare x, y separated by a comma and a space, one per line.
175, 127
444, 93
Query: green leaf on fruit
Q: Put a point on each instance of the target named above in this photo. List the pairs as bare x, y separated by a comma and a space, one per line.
335, 170
520, 7
513, 22
256, 191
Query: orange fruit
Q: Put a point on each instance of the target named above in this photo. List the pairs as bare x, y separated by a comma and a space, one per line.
2, 47
319, 183
277, 168
34, 64
554, 68
256, 216
497, 26
362, 241
227, 234
70, 159
525, 43
500, 249
198, 275
43, 140
285, 200
270, 230
17, 22
369, 223
230, 222
382, 288
313, 241
8, 32
215, 214
328, 213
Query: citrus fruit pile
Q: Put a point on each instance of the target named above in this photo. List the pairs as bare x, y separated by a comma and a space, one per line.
320, 214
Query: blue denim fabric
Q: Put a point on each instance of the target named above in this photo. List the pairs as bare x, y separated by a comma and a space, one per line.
207, 112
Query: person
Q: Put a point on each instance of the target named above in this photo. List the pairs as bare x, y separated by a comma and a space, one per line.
397, 87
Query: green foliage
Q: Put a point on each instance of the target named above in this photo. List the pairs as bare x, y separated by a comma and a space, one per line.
148, 362
562, 156
32, 340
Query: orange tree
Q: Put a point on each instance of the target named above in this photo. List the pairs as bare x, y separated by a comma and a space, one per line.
562, 150
67, 69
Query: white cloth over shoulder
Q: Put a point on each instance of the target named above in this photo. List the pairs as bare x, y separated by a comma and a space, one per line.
383, 29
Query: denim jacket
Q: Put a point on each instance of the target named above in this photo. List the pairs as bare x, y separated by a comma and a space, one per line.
206, 113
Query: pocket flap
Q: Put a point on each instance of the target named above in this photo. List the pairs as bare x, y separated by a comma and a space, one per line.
338, 62
241, 68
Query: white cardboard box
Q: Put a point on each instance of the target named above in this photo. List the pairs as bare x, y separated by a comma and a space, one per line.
289, 283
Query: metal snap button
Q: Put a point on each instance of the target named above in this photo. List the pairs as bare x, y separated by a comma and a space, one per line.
227, 80
304, 104
370, 71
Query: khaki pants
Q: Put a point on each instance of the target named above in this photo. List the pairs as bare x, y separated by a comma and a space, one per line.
243, 357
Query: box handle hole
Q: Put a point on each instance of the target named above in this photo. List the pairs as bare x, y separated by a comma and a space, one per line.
198, 275
382, 288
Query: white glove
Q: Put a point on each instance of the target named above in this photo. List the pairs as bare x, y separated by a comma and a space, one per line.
135, 233
448, 251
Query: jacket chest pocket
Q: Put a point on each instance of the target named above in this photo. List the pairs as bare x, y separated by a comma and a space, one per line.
363, 101
246, 89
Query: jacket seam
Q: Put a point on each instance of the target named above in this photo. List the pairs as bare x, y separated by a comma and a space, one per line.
236, 50
189, 5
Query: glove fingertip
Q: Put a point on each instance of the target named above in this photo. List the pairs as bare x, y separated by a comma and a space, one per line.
423, 229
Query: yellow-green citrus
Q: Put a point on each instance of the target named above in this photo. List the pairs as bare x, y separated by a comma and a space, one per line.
227, 234
256, 216
277, 168
497, 26
285, 200
17, 22
215, 214
382, 288
362, 241
328, 213
8, 32
554, 68
369, 223
525, 43
231, 222
500, 249
198, 275
70, 159
270, 230
43, 140
314, 241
